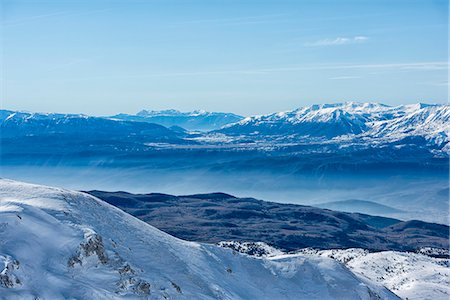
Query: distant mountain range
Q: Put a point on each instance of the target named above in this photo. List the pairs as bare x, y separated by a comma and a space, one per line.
37, 138
351, 120
319, 138
196, 120
16, 124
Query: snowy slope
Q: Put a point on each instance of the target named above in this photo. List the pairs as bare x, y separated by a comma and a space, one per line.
409, 275
58, 244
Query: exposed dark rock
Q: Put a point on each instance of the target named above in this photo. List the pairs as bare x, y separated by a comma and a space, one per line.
126, 270
7, 277
143, 288
93, 245
176, 287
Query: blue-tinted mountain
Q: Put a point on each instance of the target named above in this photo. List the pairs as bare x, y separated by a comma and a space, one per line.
15, 124
363, 206
196, 120
30, 137
371, 122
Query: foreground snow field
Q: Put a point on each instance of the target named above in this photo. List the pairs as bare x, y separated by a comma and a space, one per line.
409, 275
58, 244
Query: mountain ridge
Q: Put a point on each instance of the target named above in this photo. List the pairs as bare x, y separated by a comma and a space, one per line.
216, 217
93, 250
197, 120
349, 118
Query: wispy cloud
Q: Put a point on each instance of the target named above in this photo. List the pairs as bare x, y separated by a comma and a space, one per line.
31, 19
433, 83
338, 41
437, 65
68, 64
260, 19
417, 66
344, 77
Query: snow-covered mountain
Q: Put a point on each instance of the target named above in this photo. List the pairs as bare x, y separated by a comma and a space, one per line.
409, 275
327, 120
370, 120
429, 121
15, 124
58, 244
195, 120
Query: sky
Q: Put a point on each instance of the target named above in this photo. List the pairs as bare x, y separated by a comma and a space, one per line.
249, 57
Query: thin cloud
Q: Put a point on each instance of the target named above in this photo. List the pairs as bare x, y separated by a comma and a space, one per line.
440, 83
338, 41
239, 20
68, 64
437, 65
418, 66
345, 77
31, 19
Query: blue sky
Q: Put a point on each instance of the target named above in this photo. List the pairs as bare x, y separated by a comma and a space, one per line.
248, 57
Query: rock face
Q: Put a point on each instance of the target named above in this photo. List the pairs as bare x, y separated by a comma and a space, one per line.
92, 246
216, 217
7, 277
93, 250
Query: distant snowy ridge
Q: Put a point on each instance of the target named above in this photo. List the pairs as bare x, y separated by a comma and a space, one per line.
409, 275
176, 113
429, 121
22, 116
194, 120
372, 120
58, 244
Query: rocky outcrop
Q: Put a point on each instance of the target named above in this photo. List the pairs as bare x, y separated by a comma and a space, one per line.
7, 277
92, 246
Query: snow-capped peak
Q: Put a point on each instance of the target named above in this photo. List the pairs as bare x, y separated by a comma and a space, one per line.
430, 121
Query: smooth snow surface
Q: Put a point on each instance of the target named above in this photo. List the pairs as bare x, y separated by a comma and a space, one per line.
409, 275
412, 276
58, 244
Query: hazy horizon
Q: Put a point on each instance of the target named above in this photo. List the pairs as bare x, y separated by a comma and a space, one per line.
101, 57
217, 111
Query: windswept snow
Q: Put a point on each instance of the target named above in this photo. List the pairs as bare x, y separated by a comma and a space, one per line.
412, 276
64, 244
409, 275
